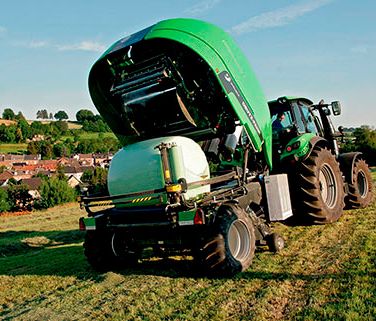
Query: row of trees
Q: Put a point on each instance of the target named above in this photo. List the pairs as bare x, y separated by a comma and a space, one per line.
363, 140
9, 114
81, 115
21, 130
49, 149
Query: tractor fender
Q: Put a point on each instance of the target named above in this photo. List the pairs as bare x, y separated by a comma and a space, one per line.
346, 163
315, 140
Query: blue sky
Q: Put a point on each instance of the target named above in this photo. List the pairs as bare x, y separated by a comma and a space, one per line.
314, 48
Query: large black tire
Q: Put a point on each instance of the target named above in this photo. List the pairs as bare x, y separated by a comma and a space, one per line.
360, 189
106, 251
318, 188
231, 247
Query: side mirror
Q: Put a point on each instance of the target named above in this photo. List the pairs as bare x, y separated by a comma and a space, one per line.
336, 107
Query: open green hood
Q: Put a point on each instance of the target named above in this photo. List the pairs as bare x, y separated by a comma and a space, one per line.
179, 77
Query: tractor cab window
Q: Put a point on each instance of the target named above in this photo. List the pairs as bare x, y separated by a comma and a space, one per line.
281, 120
298, 118
309, 119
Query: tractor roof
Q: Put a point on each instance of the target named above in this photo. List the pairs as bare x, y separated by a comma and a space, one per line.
289, 98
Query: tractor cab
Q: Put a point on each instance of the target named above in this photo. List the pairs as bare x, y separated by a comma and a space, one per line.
296, 121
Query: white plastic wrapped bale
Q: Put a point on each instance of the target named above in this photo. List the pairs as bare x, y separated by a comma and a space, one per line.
138, 167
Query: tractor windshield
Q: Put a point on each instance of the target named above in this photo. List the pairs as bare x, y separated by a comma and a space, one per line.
306, 121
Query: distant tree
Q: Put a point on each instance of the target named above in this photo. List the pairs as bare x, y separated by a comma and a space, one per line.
33, 148
365, 142
61, 149
96, 179
51, 116
20, 116
46, 150
9, 114
84, 114
42, 114
61, 126
36, 128
43, 147
55, 191
19, 197
61, 115
19, 136
25, 128
7, 133
4, 202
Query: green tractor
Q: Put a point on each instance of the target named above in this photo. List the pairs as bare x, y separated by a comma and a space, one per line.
305, 146
194, 174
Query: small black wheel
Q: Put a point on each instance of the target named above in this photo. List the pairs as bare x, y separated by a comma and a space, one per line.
97, 249
106, 251
231, 247
275, 242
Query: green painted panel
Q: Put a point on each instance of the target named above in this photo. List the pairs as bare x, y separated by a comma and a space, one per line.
303, 143
224, 57
218, 50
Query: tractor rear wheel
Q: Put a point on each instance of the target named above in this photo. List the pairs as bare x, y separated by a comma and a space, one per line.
360, 189
231, 248
319, 188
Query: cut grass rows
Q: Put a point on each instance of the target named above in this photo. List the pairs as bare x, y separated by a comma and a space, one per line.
324, 273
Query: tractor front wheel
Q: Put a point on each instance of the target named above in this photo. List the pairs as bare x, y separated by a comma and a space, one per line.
318, 188
360, 189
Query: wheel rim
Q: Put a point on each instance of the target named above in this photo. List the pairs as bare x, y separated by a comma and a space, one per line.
113, 245
328, 186
280, 243
362, 184
239, 240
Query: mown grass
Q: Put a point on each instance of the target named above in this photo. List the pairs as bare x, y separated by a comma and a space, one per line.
89, 135
96, 135
324, 273
22, 148
12, 148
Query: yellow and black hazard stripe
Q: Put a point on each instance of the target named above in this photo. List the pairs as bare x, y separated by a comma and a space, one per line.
142, 199
101, 203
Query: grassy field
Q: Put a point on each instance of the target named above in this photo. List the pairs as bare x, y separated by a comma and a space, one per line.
12, 148
96, 135
21, 148
324, 273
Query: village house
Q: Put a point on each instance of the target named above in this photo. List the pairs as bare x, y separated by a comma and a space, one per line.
33, 185
84, 159
5, 177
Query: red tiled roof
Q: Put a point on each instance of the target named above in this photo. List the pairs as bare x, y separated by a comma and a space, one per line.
6, 175
32, 183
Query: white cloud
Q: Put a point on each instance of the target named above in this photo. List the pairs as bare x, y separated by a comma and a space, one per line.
37, 44
279, 17
202, 7
86, 45
360, 49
